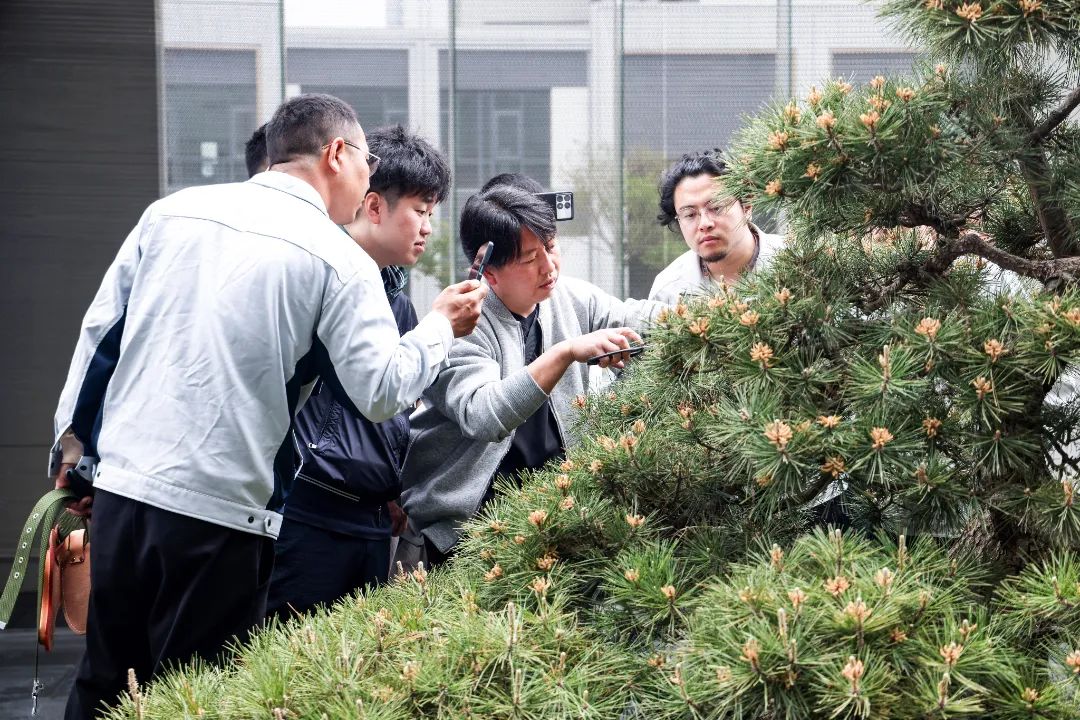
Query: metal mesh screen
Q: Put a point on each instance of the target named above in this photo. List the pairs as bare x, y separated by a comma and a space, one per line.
595, 97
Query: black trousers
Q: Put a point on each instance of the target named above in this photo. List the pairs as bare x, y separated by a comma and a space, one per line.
314, 566
165, 588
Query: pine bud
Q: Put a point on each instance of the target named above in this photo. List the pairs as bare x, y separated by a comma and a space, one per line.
951, 653
837, 586
929, 327
880, 437
826, 121
546, 563
595, 466
774, 187
779, 433
931, 426
632, 575
994, 349
497, 527
813, 97
778, 140
776, 557
563, 482
884, 578
540, 586
982, 386
906, 94
853, 671
834, 466
410, 671
1073, 661
638, 427
797, 598
751, 652
567, 503
762, 354
1030, 6
566, 465
668, 591
494, 573
519, 539
970, 12
537, 517
635, 521
878, 82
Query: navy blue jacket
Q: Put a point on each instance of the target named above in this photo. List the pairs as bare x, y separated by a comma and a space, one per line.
349, 466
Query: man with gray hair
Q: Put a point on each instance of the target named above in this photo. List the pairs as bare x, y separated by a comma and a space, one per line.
221, 306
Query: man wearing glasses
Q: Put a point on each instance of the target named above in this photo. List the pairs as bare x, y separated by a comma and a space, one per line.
723, 242
221, 306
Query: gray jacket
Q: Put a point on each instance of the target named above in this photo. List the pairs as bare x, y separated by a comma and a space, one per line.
470, 413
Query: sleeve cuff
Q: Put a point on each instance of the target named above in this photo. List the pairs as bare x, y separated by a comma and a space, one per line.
437, 334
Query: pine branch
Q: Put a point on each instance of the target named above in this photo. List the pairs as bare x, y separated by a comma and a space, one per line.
1055, 118
1052, 216
1064, 269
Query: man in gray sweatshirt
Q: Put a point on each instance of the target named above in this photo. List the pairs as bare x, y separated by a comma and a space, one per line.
503, 404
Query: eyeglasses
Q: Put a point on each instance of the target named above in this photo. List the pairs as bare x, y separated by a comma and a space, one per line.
371, 158
691, 215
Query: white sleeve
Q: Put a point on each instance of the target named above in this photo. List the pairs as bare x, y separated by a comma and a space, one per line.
381, 372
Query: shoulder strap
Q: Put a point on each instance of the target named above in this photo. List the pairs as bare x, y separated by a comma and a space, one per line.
38, 524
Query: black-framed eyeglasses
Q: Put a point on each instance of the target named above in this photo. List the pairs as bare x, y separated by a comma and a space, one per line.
371, 158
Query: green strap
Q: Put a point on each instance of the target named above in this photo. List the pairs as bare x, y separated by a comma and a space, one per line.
40, 522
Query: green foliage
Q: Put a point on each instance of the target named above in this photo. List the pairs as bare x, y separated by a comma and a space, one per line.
669, 567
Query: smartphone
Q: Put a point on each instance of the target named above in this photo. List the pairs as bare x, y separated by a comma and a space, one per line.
632, 352
483, 257
561, 202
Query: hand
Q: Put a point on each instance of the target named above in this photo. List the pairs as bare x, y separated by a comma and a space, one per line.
80, 507
461, 304
602, 341
399, 521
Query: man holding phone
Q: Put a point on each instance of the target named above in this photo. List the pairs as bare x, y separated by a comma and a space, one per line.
342, 511
504, 403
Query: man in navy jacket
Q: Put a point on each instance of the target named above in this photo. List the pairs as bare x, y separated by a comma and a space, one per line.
343, 510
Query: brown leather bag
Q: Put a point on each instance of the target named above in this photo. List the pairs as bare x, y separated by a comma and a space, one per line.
66, 583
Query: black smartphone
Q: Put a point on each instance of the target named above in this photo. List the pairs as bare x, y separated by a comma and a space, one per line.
561, 202
632, 352
483, 257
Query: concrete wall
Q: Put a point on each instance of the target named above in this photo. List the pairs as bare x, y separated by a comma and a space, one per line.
79, 163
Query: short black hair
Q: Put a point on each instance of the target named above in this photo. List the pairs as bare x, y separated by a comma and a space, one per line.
408, 165
517, 180
255, 150
498, 215
303, 124
708, 162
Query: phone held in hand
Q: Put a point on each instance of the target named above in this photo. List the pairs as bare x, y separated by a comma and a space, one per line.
631, 352
479, 263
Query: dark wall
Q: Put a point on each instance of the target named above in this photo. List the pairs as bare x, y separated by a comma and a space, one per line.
78, 164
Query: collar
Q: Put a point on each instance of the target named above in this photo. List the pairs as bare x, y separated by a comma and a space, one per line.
291, 185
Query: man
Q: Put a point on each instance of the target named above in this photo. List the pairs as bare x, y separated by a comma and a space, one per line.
222, 304
504, 403
723, 242
255, 152
342, 510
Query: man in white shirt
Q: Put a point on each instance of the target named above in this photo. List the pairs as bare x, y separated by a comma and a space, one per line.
723, 242
221, 306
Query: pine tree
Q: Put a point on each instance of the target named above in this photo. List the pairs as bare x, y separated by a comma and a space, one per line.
675, 565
